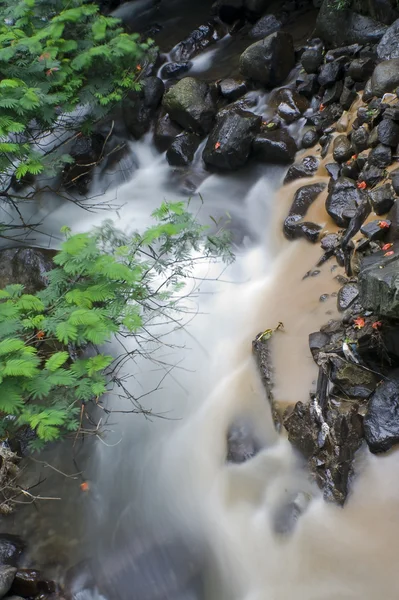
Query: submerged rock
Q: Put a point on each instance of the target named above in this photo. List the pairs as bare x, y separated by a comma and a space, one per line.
11, 548
139, 108
243, 443
182, 149
190, 104
269, 61
381, 423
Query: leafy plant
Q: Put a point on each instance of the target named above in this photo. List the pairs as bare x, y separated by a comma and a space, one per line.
105, 284
340, 4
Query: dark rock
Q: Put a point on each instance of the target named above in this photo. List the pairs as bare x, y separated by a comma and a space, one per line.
381, 423
318, 341
373, 231
330, 73
342, 201
361, 214
385, 77
292, 98
388, 47
373, 138
371, 175
345, 51
189, 102
308, 85
229, 144
197, 41
7, 574
368, 91
230, 11
27, 266
333, 93
310, 138
388, 133
265, 26
342, 149
312, 59
334, 171
352, 379
330, 241
232, 89
361, 69
261, 350
28, 582
276, 147
182, 149
79, 577
165, 132
288, 113
139, 107
382, 199
380, 156
392, 112
11, 548
346, 296
242, 442
324, 119
270, 60
172, 70
306, 168
295, 229
86, 152
304, 198
395, 180
379, 283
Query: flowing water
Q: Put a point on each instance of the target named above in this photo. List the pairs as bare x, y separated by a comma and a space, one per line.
168, 476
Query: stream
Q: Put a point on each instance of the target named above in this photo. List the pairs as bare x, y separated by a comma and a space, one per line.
252, 531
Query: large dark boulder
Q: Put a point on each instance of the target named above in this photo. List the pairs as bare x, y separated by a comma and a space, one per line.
381, 423
382, 199
189, 102
139, 107
11, 548
380, 156
293, 227
342, 149
304, 198
181, 151
229, 143
197, 41
388, 133
165, 132
330, 73
343, 200
312, 59
385, 77
306, 168
379, 283
275, 147
361, 69
232, 89
265, 26
389, 45
27, 266
86, 151
270, 60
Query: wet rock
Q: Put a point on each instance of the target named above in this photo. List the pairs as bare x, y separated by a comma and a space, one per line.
286, 516
330, 241
373, 231
395, 180
312, 59
230, 11
288, 113
362, 212
388, 47
367, 92
11, 548
333, 93
27, 266
344, 51
310, 138
342, 201
256, 7
371, 175
330, 73
347, 98
346, 296
276, 147
379, 283
385, 77
388, 133
232, 89
86, 152
342, 149
165, 132
382, 199
270, 60
352, 379
392, 112
198, 40
334, 170
7, 574
361, 69
324, 119
79, 577
28, 582
295, 229
306, 168
262, 352
307, 85
242, 442
292, 98
229, 144
182, 149
172, 70
380, 156
381, 423
265, 26
304, 198
189, 103
139, 108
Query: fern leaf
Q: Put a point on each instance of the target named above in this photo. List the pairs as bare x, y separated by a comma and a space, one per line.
56, 361
62, 377
10, 345
98, 363
21, 367
66, 332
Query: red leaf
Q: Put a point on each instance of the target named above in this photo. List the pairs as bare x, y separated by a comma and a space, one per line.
322, 107
359, 323
361, 185
383, 224
389, 253
84, 486
376, 325
40, 335
217, 145
386, 246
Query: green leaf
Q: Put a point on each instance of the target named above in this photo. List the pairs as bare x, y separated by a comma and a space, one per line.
56, 361
11, 401
99, 28
98, 363
21, 367
10, 345
66, 332
29, 302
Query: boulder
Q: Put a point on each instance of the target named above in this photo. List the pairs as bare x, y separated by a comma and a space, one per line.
371, 175
165, 132
292, 98
361, 69
342, 201
173, 70
27, 266
334, 171
373, 231
256, 7
346, 296
232, 89
190, 104
270, 60
381, 423
243, 443
86, 151
181, 151
11, 548
356, 222
276, 147
330, 73
295, 229
352, 379
342, 149
307, 85
310, 138
322, 120
333, 93
304, 198
312, 59
379, 283
388, 133
229, 144
395, 180
380, 156
347, 97
385, 77
306, 168
197, 41
139, 107
388, 47
7, 574
265, 26
360, 139
382, 199
29, 582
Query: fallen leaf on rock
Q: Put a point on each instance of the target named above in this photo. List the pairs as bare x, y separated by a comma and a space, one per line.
387, 246
361, 185
359, 323
383, 224
84, 486
389, 253
217, 145
376, 325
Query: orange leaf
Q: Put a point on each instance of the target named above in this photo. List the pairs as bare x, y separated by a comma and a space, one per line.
40, 335
376, 325
389, 253
361, 185
383, 224
359, 323
138, 68
386, 246
217, 145
321, 107
354, 157
84, 486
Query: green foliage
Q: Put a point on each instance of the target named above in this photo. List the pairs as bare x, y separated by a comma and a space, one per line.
340, 4
105, 283
54, 57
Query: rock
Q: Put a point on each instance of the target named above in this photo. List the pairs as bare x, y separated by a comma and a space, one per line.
330, 242
288, 113
379, 283
229, 144
324, 119
382, 199
28, 582
230, 11
385, 77
189, 103
330, 73
346, 296
333, 93
352, 379
182, 149
270, 60
361, 213
388, 47
7, 574
139, 107
256, 7
367, 92
27, 266
86, 152
344, 51
307, 85
263, 356
392, 112
312, 59
232, 89
11, 548
380, 156
334, 171
242, 441
79, 577
395, 180
342, 149
361, 69
360, 139
373, 231
371, 175
310, 138
388, 133
306, 168
292, 98
172, 70
276, 147
198, 40
304, 198
294, 229
285, 518
381, 424
165, 132
342, 201
265, 26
